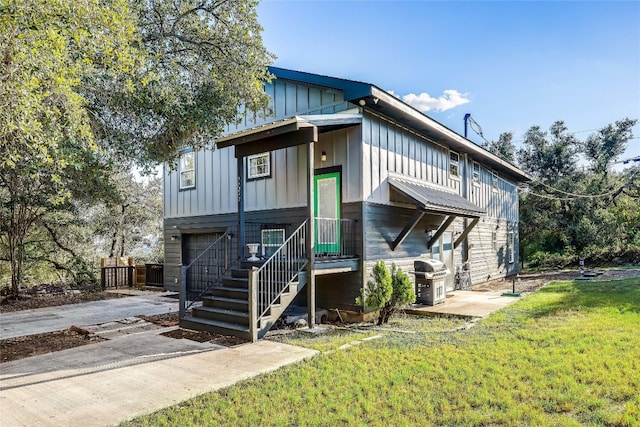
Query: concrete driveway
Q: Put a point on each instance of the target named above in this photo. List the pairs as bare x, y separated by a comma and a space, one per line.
49, 319
135, 372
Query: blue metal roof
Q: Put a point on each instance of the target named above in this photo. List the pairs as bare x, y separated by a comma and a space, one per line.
352, 89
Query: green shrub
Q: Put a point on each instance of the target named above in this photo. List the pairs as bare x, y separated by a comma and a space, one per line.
388, 292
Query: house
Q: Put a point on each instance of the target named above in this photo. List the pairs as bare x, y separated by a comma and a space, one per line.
339, 174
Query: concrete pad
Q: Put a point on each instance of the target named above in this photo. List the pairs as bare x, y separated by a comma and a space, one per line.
49, 319
466, 304
87, 386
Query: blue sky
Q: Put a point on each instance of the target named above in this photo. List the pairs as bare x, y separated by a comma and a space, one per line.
511, 65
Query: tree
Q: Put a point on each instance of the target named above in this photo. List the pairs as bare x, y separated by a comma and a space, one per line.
204, 62
503, 148
605, 146
47, 51
86, 85
549, 159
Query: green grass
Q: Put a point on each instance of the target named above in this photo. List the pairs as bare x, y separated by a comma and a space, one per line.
567, 355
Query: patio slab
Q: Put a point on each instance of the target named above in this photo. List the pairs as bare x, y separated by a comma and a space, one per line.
465, 304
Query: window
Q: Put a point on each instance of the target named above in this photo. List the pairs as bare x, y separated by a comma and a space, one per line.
454, 164
494, 240
187, 170
476, 173
259, 166
494, 181
510, 245
272, 239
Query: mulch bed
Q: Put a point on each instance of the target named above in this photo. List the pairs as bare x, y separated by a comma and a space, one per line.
33, 345
27, 302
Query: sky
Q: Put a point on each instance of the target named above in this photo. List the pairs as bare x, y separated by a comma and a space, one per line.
510, 64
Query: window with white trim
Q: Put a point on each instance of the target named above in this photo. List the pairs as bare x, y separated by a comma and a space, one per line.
454, 164
259, 166
510, 245
494, 240
494, 181
187, 168
476, 173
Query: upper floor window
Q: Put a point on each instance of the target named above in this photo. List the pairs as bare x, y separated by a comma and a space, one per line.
454, 164
476, 173
494, 181
187, 168
259, 166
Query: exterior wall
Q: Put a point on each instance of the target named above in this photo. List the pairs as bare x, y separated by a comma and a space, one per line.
332, 291
388, 147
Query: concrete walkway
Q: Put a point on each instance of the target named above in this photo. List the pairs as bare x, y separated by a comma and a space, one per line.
113, 381
49, 319
466, 304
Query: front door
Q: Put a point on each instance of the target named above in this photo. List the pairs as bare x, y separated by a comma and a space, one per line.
327, 210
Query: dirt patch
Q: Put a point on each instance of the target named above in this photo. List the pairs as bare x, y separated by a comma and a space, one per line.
52, 299
166, 320
200, 336
530, 282
33, 345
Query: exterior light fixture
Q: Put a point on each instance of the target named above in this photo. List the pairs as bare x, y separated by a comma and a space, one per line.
323, 156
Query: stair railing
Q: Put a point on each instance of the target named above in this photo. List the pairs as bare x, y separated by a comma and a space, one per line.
205, 272
268, 282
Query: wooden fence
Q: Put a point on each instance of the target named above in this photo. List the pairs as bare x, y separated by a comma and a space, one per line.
122, 272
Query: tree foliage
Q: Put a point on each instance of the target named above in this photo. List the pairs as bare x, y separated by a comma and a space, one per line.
203, 62
87, 86
503, 147
573, 210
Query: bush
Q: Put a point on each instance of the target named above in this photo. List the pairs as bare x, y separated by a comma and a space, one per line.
388, 292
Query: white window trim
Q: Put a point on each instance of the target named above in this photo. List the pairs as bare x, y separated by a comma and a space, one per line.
182, 171
457, 175
511, 242
494, 181
265, 174
476, 178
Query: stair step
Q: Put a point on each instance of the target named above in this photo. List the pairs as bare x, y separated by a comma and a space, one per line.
215, 326
235, 293
235, 282
240, 273
222, 315
227, 303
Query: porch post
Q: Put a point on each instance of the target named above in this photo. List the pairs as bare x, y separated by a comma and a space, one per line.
241, 237
311, 286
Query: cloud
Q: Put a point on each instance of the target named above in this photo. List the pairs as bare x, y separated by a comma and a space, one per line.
424, 102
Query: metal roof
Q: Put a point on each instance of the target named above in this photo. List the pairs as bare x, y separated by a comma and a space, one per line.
434, 200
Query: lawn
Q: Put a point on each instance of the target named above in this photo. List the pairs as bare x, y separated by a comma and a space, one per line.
567, 355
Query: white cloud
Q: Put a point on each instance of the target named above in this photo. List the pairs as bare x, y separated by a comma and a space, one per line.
424, 102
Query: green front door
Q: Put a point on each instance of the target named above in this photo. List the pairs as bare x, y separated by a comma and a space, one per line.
326, 188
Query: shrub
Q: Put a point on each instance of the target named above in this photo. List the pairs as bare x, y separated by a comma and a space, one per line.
388, 292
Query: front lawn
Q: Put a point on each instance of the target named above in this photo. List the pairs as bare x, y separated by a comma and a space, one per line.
566, 355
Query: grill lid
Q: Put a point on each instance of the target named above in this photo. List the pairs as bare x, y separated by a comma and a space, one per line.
429, 265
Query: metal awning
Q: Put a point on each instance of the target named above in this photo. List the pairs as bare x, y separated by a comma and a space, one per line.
289, 132
433, 200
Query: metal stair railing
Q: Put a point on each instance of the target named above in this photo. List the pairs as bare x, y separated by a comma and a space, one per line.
272, 279
205, 272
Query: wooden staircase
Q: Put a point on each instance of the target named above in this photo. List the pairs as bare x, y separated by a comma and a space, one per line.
226, 310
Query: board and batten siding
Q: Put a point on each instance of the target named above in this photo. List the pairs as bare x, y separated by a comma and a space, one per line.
216, 170
216, 188
388, 147
288, 99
